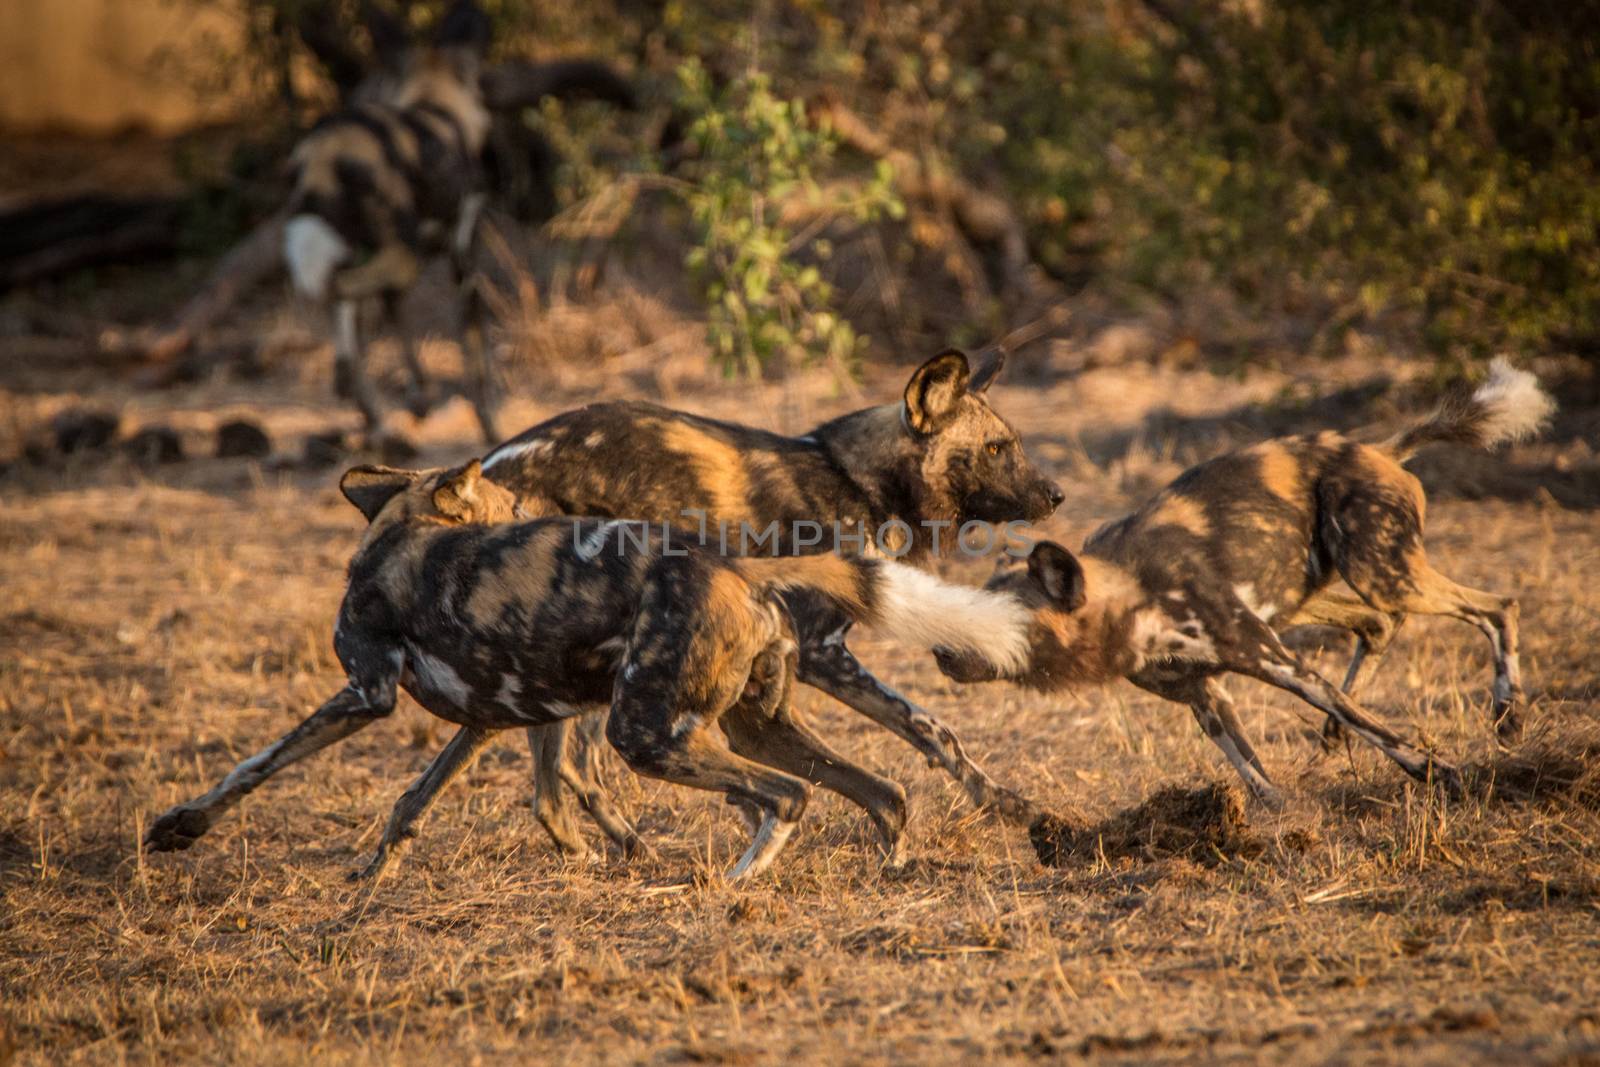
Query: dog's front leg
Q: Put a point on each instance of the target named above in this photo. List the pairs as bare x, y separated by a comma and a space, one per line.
415, 801
831, 667
348, 711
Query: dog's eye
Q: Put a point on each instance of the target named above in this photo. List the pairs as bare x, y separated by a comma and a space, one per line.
993, 448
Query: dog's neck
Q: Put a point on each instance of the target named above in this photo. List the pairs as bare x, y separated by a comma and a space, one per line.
870, 449
392, 553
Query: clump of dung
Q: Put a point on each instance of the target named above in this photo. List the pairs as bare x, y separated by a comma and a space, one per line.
1206, 825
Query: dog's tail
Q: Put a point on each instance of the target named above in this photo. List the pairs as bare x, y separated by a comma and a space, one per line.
904, 604
1508, 406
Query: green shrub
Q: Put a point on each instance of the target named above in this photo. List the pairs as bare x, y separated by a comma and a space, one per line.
757, 155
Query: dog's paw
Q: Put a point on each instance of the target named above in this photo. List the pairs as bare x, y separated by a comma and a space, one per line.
1269, 798
177, 830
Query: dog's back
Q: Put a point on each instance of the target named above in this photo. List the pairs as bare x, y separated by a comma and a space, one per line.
640, 460
386, 181
1248, 521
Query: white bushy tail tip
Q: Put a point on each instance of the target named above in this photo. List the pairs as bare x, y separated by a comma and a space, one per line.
1514, 405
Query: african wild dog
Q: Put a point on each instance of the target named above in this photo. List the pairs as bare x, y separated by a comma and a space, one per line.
1193, 584
383, 185
936, 458
527, 623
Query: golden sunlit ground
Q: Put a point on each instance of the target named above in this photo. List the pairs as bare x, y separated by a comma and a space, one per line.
156, 625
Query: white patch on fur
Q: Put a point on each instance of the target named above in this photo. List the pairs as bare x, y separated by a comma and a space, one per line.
1186, 641
439, 677
242, 775
512, 449
1246, 592
1146, 631
313, 250
595, 542
1514, 405
467, 221
562, 710
921, 609
593, 440
510, 690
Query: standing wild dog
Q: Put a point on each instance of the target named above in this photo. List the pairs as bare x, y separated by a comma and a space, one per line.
933, 460
380, 187
529, 623
1194, 583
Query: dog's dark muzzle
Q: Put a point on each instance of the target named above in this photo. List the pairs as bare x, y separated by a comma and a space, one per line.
964, 667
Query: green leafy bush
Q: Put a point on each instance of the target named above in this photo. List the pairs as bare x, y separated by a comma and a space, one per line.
757, 157
1433, 168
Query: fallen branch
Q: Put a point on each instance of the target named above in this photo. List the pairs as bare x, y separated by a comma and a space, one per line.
249, 263
48, 239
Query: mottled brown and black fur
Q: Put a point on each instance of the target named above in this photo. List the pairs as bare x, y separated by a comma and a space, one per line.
939, 454
387, 183
1197, 581
526, 623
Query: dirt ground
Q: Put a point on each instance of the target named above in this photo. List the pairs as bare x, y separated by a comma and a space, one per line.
159, 623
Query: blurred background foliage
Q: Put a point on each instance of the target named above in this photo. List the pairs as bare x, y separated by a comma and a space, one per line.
1420, 172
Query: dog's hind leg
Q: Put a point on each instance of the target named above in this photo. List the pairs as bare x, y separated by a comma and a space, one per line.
420, 396
779, 739
1213, 710
581, 773
832, 668
1374, 631
1270, 662
686, 748
566, 757
1377, 533
551, 806
351, 709
1496, 617
349, 364
415, 801
475, 349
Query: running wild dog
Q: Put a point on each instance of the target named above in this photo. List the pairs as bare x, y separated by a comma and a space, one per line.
380, 187
527, 623
1194, 583
938, 457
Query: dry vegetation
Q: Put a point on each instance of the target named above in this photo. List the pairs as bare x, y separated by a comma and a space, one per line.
156, 626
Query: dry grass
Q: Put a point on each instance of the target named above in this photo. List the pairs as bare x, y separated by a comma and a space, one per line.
153, 630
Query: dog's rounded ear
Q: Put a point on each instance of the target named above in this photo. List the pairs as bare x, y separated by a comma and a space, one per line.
388, 34
933, 395
459, 493
988, 370
369, 488
464, 25
1059, 574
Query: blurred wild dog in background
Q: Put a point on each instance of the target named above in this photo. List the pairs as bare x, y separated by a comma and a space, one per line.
385, 184
935, 458
523, 624
1196, 582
